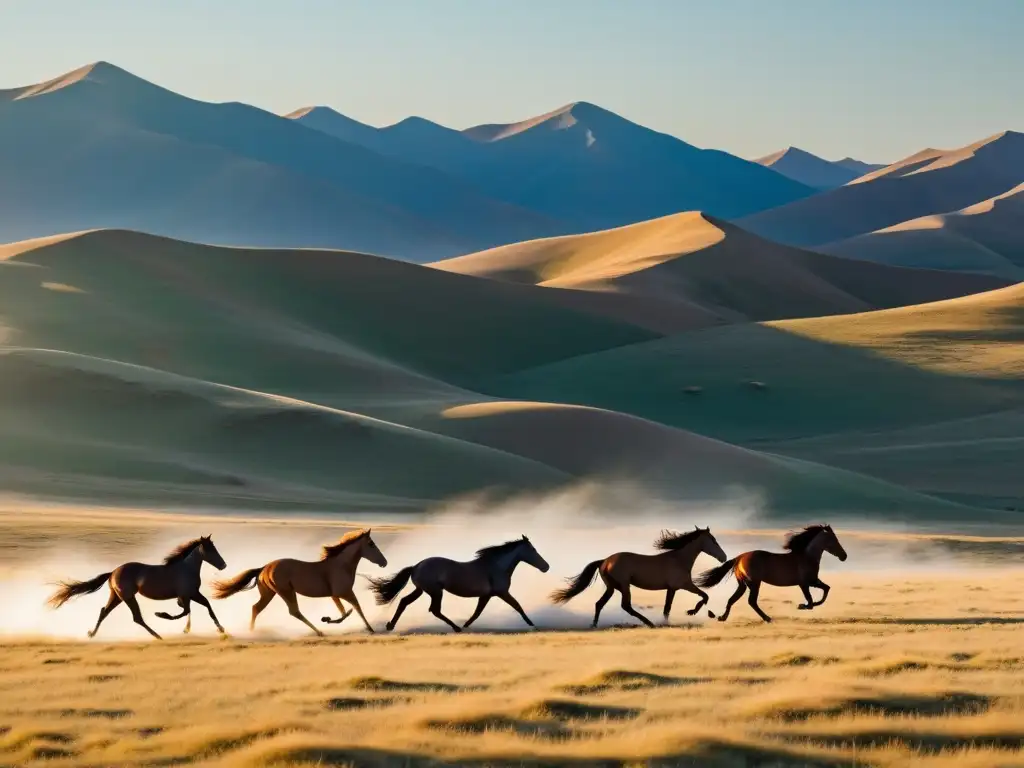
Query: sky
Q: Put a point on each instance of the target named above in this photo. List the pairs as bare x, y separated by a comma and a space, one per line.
875, 79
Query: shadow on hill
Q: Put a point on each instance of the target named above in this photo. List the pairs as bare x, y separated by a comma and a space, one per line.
702, 381
757, 385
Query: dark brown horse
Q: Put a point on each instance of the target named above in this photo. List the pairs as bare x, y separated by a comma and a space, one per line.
669, 571
797, 567
176, 579
489, 575
333, 576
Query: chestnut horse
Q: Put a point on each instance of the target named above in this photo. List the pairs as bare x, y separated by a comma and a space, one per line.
489, 575
176, 579
797, 567
332, 576
669, 571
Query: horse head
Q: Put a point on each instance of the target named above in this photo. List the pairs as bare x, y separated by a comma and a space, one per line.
372, 552
709, 545
530, 555
832, 545
209, 552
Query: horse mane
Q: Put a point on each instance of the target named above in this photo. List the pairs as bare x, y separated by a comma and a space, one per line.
670, 540
182, 551
333, 550
798, 542
496, 550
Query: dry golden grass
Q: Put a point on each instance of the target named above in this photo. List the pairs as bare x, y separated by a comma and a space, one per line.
897, 669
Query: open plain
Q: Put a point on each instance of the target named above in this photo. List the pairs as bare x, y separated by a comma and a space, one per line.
916, 659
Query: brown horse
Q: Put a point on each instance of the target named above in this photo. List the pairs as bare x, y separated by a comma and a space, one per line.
333, 576
176, 579
669, 571
797, 567
489, 575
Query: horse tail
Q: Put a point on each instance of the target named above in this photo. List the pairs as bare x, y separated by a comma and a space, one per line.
715, 575
68, 589
577, 583
241, 582
386, 589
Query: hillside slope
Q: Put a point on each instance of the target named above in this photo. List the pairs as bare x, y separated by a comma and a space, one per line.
930, 182
709, 266
985, 238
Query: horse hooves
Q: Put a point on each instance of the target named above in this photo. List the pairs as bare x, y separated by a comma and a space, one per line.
389, 626
689, 613
325, 619
722, 618
711, 614
91, 633
803, 607
162, 615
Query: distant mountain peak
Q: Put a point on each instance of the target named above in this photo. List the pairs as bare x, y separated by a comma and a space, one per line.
97, 72
807, 168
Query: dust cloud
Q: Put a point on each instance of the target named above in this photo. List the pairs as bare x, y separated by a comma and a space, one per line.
569, 528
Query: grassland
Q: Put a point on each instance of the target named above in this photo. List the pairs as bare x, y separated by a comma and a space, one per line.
920, 667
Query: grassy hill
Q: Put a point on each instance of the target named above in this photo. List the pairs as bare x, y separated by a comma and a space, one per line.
142, 369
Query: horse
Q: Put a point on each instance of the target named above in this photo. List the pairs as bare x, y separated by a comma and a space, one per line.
797, 567
333, 576
487, 576
669, 571
176, 579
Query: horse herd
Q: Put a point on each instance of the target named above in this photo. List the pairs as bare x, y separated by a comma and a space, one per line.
487, 576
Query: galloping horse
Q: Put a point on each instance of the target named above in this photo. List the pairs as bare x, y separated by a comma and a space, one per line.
669, 571
176, 579
489, 575
332, 576
797, 567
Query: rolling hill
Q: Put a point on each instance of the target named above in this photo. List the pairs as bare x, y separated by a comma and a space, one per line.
929, 182
986, 238
818, 387
101, 148
712, 271
572, 164
138, 369
802, 166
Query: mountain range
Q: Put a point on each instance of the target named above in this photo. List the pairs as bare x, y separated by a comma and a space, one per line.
210, 304
813, 171
100, 147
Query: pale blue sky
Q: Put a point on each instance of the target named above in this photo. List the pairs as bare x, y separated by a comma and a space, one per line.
877, 79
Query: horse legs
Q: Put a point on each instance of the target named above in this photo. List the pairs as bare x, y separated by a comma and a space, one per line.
292, 602
700, 603
112, 602
740, 589
266, 595
186, 610
480, 605
435, 608
669, 594
341, 609
823, 587
351, 598
133, 606
602, 601
755, 589
200, 598
515, 606
627, 606
808, 597
406, 601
